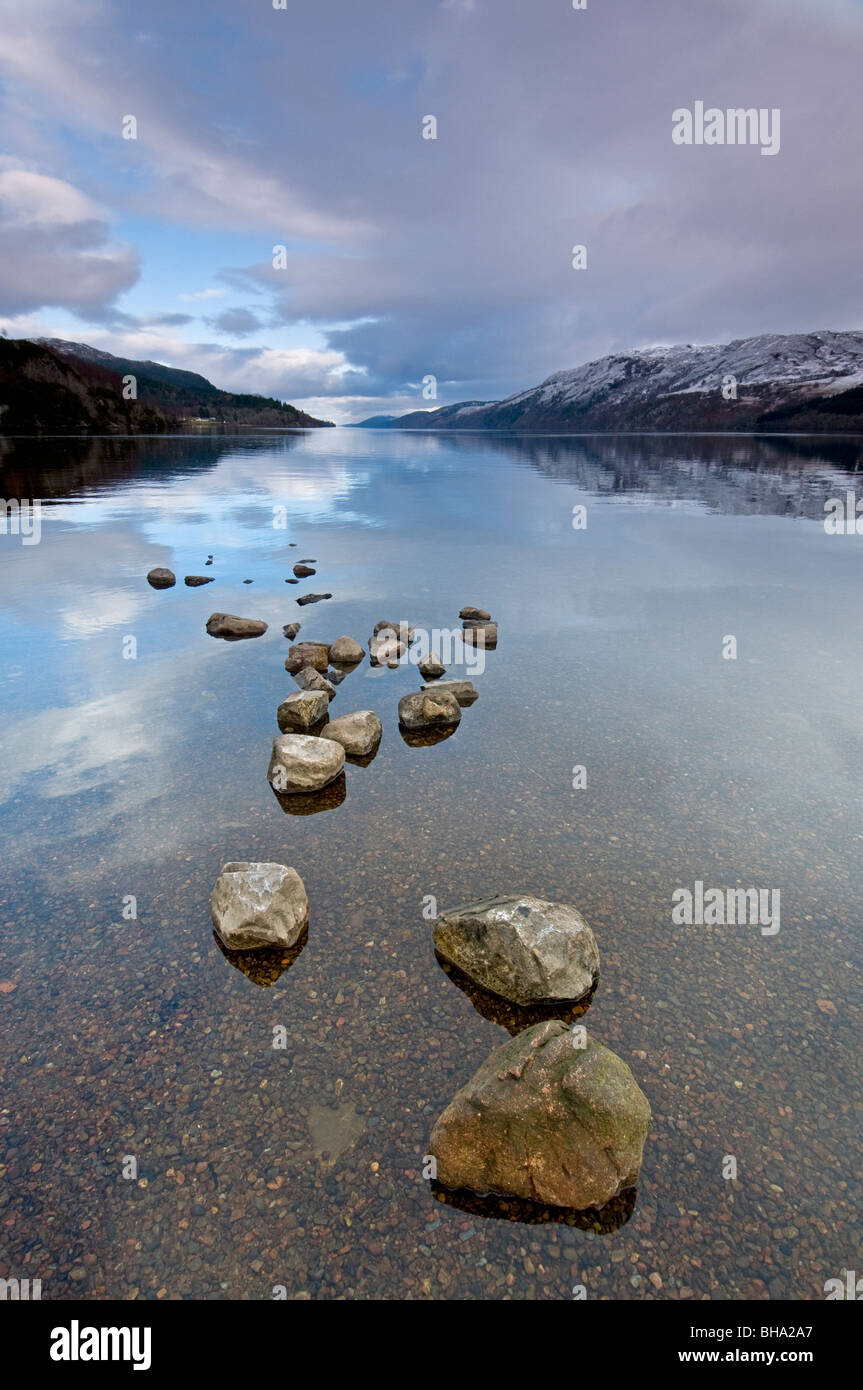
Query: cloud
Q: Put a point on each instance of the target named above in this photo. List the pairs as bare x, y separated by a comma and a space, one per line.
204, 294
55, 248
452, 256
236, 322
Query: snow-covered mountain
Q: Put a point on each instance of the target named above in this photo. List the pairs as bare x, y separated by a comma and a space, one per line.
795, 381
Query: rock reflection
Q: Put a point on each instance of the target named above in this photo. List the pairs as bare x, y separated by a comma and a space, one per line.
309, 803
426, 738
599, 1220
264, 966
515, 1017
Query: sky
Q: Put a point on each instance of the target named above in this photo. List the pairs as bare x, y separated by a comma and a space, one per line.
408, 258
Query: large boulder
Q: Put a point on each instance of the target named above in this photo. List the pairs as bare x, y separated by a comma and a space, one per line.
426, 710
464, 691
303, 763
226, 625
359, 733
346, 651
302, 710
546, 1120
255, 905
315, 654
161, 578
525, 949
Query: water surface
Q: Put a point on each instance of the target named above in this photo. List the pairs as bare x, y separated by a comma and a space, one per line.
139, 777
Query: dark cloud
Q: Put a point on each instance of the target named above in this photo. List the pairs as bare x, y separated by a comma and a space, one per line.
236, 322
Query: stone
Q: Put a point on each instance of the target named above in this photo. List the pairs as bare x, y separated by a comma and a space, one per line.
358, 733
312, 598
522, 948
161, 578
401, 630
310, 679
475, 614
464, 691
226, 625
345, 651
315, 654
547, 1121
421, 710
194, 581
480, 635
256, 905
302, 710
303, 763
304, 571
431, 666
290, 630
386, 649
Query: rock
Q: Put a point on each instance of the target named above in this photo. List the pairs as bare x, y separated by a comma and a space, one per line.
346, 651
401, 630
310, 679
421, 710
304, 571
480, 635
312, 598
292, 581
359, 733
290, 630
248, 581
255, 905
226, 625
524, 949
464, 691
475, 614
303, 763
316, 654
431, 666
162, 579
194, 581
302, 710
547, 1121
336, 674
386, 649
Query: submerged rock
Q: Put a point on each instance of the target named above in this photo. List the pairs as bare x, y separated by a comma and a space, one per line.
302, 710
303, 763
346, 651
545, 1120
194, 581
312, 598
525, 949
431, 666
161, 578
315, 654
226, 625
310, 679
464, 691
255, 905
422, 710
358, 733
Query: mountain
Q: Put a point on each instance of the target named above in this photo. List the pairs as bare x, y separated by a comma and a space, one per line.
53, 386
44, 393
784, 382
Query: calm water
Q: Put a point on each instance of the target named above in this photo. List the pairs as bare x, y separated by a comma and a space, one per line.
302, 1167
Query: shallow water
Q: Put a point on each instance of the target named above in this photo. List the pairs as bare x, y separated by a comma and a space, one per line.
302, 1167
